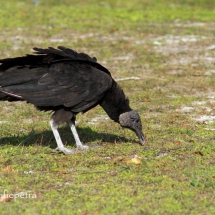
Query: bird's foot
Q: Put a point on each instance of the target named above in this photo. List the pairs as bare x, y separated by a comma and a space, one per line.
65, 150
83, 147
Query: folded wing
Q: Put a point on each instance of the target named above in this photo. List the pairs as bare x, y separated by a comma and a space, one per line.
73, 84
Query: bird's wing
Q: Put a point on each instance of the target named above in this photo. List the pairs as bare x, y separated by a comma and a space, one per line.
71, 84
64, 52
48, 56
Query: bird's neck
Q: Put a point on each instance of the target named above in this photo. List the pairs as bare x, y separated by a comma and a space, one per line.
115, 102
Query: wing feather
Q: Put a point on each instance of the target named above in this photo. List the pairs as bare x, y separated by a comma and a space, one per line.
76, 85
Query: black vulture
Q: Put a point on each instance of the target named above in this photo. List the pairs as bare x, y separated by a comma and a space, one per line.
66, 82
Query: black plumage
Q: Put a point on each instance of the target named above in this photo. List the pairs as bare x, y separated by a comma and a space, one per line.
66, 82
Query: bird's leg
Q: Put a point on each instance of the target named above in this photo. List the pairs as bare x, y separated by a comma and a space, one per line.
79, 145
60, 146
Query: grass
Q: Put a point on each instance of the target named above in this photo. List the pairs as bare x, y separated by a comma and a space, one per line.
169, 47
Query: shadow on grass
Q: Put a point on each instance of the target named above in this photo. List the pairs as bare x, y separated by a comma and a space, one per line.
46, 138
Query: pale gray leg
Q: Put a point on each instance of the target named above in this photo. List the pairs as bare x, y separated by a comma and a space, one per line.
60, 146
75, 134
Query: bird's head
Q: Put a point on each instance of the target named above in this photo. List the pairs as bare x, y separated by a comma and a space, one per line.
132, 121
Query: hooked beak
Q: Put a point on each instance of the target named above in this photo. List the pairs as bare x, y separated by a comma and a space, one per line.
140, 136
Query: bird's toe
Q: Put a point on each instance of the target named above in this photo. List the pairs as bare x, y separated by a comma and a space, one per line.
83, 147
66, 151
69, 151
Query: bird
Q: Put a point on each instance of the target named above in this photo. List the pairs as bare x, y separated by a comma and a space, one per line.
66, 83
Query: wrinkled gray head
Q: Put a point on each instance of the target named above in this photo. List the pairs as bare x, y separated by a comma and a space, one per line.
131, 120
